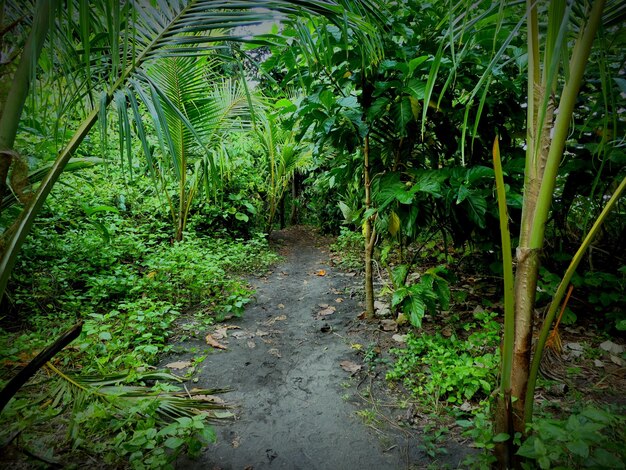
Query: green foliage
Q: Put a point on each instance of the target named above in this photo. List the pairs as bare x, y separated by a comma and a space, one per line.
480, 430
132, 289
429, 292
349, 248
592, 438
436, 368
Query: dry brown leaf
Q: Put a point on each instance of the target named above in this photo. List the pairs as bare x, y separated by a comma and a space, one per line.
350, 366
261, 333
178, 365
281, 306
271, 321
213, 342
322, 305
326, 312
220, 333
240, 334
338, 300
399, 338
320, 272
274, 352
210, 399
389, 325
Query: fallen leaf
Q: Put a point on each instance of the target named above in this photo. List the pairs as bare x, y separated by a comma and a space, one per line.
235, 443
261, 333
447, 332
466, 406
240, 334
326, 312
178, 365
399, 338
338, 300
274, 352
320, 272
598, 363
271, 321
362, 315
213, 342
281, 306
220, 333
350, 366
611, 347
378, 305
574, 346
251, 344
389, 325
223, 414
210, 399
616, 360
322, 305
356, 346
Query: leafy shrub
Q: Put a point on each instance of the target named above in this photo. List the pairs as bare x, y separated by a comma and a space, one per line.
450, 369
415, 299
349, 248
593, 438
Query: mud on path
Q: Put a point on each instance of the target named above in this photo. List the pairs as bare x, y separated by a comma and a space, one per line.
294, 402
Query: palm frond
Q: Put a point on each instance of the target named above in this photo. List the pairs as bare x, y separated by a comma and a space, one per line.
80, 389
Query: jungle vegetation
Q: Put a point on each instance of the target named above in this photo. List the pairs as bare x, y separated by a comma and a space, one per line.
148, 148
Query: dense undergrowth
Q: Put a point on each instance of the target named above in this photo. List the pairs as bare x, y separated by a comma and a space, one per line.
449, 364
102, 253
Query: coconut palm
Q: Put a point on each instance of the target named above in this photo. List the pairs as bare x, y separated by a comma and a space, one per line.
100, 47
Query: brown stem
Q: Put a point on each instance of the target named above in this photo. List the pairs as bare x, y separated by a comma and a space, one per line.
37, 363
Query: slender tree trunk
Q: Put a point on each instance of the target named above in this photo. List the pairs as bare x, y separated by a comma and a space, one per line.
281, 213
370, 234
525, 290
293, 217
12, 108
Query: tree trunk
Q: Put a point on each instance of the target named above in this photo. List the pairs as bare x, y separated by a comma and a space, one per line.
370, 235
281, 213
525, 290
293, 216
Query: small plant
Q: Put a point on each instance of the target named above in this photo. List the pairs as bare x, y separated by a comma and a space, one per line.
415, 299
593, 438
433, 440
349, 249
452, 369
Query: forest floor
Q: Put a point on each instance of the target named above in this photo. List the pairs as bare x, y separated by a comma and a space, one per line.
304, 394
308, 372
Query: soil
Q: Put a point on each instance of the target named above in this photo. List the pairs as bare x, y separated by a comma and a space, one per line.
295, 364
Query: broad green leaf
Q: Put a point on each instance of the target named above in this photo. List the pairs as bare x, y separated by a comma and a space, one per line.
414, 63
394, 223
398, 275
174, 442
578, 447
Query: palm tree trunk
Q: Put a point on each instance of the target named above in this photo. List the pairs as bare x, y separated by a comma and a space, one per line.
20, 85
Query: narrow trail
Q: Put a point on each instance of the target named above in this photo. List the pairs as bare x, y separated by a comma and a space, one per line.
292, 396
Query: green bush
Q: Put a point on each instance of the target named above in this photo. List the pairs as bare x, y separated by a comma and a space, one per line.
437, 368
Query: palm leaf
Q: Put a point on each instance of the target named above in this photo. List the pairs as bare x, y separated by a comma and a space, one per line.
79, 389
157, 29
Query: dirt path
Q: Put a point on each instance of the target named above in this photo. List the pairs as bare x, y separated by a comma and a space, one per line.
294, 400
